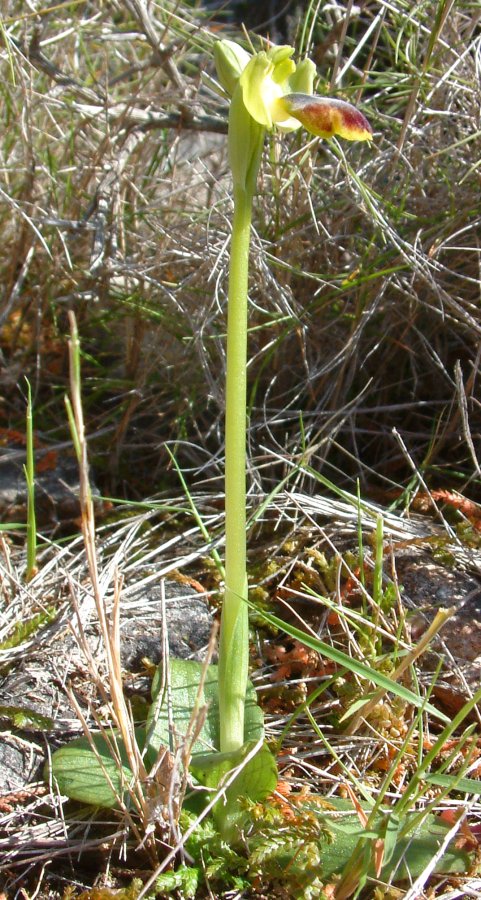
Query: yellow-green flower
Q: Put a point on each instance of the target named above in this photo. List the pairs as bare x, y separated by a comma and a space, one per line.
275, 91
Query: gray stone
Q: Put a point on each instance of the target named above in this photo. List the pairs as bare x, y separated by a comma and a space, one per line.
20, 762
429, 586
56, 487
188, 625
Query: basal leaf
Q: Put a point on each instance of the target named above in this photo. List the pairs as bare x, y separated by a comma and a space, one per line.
256, 779
326, 840
185, 677
407, 857
98, 778
259, 775
414, 851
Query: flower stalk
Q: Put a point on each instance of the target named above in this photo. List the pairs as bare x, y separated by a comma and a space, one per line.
234, 638
267, 89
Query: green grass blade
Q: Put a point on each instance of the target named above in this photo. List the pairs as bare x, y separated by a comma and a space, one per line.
353, 665
30, 480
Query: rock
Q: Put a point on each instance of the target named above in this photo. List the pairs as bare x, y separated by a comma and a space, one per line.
428, 586
35, 691
37, 682
20, 762
188, 621
56, 487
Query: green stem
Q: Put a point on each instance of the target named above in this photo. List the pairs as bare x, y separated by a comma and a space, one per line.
234, 635
30, 479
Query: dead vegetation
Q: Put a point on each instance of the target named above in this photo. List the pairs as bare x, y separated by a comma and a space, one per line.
365, 294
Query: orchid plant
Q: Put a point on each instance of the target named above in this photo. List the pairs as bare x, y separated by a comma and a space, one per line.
266, 90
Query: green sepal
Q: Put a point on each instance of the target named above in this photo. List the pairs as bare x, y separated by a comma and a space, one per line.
230, 61
302, 80
258, 89
246, 140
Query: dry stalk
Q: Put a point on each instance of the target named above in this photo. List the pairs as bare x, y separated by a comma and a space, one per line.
109, 628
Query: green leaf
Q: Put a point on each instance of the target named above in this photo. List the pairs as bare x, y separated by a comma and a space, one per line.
185, 677
389, 831
341, 845
255, 781
408, 857
356, 706
415, 851
102, 778
99, 778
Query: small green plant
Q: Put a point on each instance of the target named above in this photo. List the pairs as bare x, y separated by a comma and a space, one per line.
266, 89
